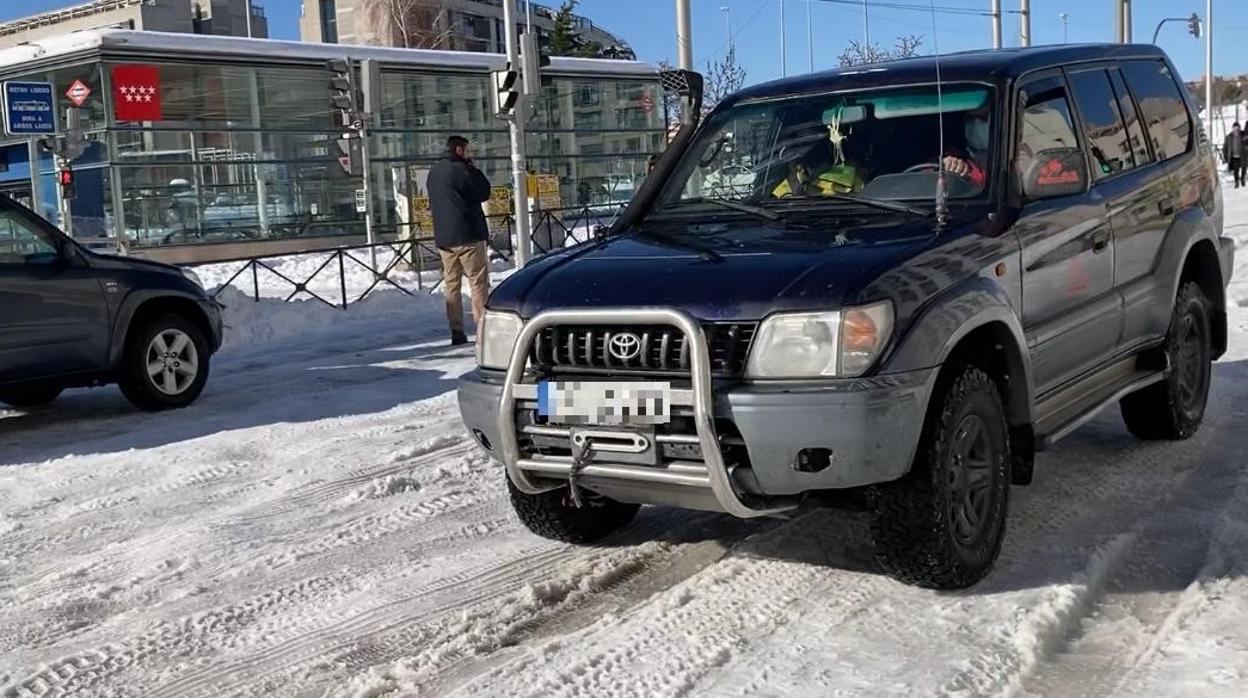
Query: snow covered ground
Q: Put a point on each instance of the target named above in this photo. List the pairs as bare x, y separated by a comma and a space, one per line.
318, 524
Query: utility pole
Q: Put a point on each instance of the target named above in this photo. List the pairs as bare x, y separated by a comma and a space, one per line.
784, 61
247, 9
728, 23
1024, 23
866, 29
1119, 11
1209, 69
995, 15
684, 42
1126, 21
810, 37
1065, 27
519, 176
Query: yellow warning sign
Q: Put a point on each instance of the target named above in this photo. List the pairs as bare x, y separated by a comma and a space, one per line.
545, 189
497, 208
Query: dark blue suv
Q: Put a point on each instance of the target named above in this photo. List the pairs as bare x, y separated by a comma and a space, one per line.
895, 282
70, 318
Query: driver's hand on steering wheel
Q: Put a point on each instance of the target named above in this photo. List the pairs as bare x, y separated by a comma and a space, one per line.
956, 165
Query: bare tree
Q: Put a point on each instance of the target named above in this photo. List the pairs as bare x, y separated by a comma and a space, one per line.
858, 53
412, 23
723, 77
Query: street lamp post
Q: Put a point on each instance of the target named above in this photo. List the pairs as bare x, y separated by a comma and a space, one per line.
728, 22
1065, 27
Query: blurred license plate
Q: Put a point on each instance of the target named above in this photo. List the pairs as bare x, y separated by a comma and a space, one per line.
604, 402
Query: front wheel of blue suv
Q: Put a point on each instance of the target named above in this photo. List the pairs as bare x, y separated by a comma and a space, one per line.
941, 525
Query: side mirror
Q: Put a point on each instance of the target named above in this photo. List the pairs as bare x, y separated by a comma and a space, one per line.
1055, 172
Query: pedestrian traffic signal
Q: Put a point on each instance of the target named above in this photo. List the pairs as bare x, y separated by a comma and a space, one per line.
506, 91
342, 91
347, 150
66, 179
1193, 25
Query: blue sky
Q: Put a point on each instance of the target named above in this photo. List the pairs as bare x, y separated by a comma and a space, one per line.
649, 25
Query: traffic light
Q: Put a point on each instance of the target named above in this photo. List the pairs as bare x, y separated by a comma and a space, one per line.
1193, 25
66, 179
532, 60
505, 90
342, 91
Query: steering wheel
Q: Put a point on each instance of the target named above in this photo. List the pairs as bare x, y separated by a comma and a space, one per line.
930, 167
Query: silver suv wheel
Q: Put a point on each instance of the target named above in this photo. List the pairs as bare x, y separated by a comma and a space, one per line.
172, 361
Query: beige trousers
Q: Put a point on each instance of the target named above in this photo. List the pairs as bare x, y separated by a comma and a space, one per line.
457, 262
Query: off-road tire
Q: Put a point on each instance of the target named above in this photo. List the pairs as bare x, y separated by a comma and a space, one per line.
30, 396
138, 386
1174, 407
918, 534
552, 514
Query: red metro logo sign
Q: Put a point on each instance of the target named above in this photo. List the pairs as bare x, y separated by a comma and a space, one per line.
136, 93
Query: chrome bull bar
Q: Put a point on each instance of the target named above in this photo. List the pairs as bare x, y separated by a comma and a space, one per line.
699, 398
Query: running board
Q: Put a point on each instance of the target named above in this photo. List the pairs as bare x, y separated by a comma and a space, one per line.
1075, 406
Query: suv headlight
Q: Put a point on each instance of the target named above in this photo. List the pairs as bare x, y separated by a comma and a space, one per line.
839, 343
496, 338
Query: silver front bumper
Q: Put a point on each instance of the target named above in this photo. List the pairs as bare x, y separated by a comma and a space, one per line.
710, 476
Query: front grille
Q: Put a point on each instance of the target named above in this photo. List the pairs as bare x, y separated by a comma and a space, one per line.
662, 350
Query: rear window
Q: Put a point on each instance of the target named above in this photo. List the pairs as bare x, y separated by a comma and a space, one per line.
1161, 105
1102, 123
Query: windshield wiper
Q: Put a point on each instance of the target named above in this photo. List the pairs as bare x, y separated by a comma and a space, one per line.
757, 211
865, 201
706, 252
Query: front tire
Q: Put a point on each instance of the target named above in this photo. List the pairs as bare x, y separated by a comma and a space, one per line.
1174, 408
30, 396
166, 364
941, 526
552, 514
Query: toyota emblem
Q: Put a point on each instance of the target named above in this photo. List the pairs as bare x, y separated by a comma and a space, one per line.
624, 346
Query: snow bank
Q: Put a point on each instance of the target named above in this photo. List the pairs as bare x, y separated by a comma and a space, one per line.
251, 324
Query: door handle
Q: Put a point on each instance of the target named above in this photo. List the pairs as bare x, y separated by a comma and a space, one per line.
1166, 206
1100, 241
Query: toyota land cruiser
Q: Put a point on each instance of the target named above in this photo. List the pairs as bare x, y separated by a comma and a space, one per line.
934, 269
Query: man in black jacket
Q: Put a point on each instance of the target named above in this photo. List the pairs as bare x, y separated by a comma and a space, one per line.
1233, 154
456, 191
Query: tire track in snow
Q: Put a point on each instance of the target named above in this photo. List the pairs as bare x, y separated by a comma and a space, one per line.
1159, 583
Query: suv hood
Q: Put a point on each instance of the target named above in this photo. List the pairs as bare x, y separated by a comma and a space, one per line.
754, 271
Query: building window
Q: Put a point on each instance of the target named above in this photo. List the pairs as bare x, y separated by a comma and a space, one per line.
329, 21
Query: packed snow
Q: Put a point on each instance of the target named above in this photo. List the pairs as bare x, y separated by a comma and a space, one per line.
319, 524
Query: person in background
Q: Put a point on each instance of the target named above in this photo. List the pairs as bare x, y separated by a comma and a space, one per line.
1233, 154
456, 191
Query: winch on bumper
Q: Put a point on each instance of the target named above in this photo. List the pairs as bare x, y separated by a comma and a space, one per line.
745, 448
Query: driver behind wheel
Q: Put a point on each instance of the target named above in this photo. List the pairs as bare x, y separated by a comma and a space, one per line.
967, 161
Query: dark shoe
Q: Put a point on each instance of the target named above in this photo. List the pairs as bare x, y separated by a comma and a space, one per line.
458, 338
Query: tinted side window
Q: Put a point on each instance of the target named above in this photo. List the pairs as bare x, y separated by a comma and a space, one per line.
1161, 105
22, 243
1135, 129
1102, 124
1044, 123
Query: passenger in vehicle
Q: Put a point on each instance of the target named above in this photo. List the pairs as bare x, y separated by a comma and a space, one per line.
831, 166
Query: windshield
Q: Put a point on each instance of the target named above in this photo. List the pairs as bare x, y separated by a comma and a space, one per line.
881, 144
